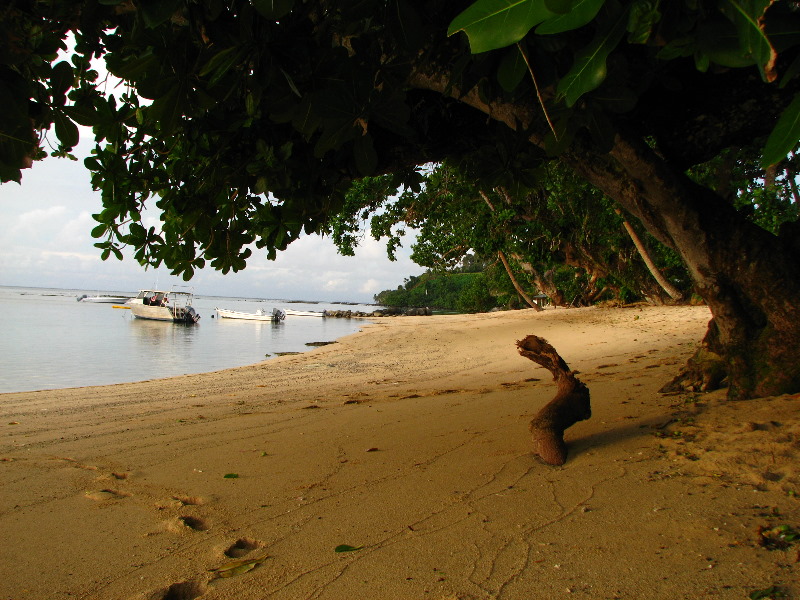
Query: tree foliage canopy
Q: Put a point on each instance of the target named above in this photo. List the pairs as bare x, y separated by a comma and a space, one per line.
246, 121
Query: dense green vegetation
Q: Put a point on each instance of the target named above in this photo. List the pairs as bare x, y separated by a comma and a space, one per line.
562, 238
555, 236
461, 292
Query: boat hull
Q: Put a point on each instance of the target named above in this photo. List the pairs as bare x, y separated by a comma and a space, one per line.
154, 313
163, 313
275, 315
155, 305
305, 313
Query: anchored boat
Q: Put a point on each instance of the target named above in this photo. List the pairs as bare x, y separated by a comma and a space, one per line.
305, 313
159, 305
276, 315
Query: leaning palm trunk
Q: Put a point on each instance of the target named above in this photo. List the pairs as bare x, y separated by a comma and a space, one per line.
516, 284
673, 292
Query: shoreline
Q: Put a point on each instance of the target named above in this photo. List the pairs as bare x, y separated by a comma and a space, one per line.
408, 442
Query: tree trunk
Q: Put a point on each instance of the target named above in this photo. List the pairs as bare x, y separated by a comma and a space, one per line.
544, 282
673, 292
749, 277
516, 284
570, 405
503, 259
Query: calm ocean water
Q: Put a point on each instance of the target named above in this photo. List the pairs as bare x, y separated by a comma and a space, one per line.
52, 341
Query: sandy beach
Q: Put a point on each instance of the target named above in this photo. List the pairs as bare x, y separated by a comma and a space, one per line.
406, 448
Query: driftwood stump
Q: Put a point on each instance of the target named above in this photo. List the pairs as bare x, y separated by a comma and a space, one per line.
570, 405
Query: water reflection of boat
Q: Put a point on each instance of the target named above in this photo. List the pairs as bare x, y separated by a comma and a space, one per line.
158, 305
276, 315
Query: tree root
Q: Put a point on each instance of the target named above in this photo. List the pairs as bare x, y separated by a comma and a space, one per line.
570, 405
705, 371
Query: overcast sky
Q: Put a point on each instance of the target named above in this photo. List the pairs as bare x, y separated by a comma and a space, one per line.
45, 241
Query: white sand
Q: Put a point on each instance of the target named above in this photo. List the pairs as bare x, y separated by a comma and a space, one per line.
410, 441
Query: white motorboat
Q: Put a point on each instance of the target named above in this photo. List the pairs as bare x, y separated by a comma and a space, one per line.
305, 313
259, 315
104, 298
159, 305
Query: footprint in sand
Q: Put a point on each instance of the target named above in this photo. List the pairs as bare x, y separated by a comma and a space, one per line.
106, 494
194, 523
184, 590
242, 547
188, 500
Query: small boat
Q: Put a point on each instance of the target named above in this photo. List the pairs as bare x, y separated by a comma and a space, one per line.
305, 313
276, 315
159, 305
104, 298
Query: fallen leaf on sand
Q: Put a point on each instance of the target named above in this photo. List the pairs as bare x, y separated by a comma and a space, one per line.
237, 567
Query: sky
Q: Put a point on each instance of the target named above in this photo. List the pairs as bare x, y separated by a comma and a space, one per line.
45, 241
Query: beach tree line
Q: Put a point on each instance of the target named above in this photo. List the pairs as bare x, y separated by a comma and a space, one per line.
552, 234
246, 122
451, 292
556, 236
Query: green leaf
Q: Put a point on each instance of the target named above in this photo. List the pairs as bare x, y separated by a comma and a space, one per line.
512, 69
168, 109
589, 69
66, 130
718, 42
99, 231
137, 233
84, 114
581, 13
766, 594
643, 19
365, 155
221, 63
493, 24
134, 68
273, 9
156, 12
560, 7
404, 23
291, 83
231, 476
347, 548
62, 78
747, 15
785, 136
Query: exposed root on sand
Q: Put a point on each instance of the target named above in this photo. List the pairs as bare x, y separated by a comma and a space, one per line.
570, 405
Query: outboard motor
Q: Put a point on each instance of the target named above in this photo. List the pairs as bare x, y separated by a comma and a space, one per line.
191, 315
278, 314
